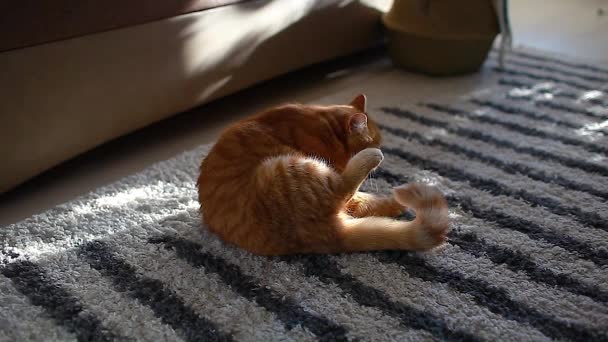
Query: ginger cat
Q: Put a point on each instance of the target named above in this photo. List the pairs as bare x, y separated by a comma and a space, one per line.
286, 181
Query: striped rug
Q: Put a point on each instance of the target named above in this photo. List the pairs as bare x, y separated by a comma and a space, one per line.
523, 164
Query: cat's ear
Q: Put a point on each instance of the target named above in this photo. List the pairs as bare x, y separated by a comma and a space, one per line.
359, 102
357, 123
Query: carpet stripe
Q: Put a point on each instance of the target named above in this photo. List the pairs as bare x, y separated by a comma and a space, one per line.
496, 187
592, 186
557, 61
568, 109
98, 213
117, 311
547, 256
511, 168
580, 113
593, 110
560, 107
512, 110
206, 293
534, 76
554, 70
519, 262
533, 230
328, 271
286, 309
504, 220
435, 298
442, 157
492, 297
534, 241
564, 102
558, 91
572, 308
547, 253
496, 194
170, 308
513, 126
57, 301
590, 133
491, 139
22, 321
551, 167
540, 148
314, 296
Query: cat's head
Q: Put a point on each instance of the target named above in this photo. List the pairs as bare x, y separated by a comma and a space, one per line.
362, 132
357, 131
334, 133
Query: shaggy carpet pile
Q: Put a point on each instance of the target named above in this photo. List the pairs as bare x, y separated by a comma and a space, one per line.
523, 164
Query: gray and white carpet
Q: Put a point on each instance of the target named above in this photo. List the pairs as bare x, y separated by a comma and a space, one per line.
523, 163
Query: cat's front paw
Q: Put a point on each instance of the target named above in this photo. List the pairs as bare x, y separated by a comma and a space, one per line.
370, 158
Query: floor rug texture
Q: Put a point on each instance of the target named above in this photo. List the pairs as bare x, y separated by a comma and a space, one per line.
523, 164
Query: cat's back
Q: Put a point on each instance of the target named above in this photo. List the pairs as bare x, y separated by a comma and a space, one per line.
247, 143
234, 156
231, 167
228, 172
239, 149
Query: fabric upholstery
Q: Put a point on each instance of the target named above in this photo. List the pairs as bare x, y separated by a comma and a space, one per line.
31, 22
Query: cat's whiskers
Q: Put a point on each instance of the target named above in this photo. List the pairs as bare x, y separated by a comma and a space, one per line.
372, 181
376, 185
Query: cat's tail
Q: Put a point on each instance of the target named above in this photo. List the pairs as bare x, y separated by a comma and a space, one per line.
428, 230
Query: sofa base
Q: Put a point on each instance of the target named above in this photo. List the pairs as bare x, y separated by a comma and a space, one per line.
64, 98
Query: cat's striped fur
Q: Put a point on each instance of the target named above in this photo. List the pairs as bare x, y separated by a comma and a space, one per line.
286, 181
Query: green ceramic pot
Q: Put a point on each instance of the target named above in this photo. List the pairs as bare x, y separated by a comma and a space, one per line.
441, 37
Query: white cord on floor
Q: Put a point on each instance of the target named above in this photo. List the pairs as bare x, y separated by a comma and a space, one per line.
506, 35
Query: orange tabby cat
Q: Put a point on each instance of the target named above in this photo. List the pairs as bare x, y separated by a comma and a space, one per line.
286, 181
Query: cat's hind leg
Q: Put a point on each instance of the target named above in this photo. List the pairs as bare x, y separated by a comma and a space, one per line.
428, 230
